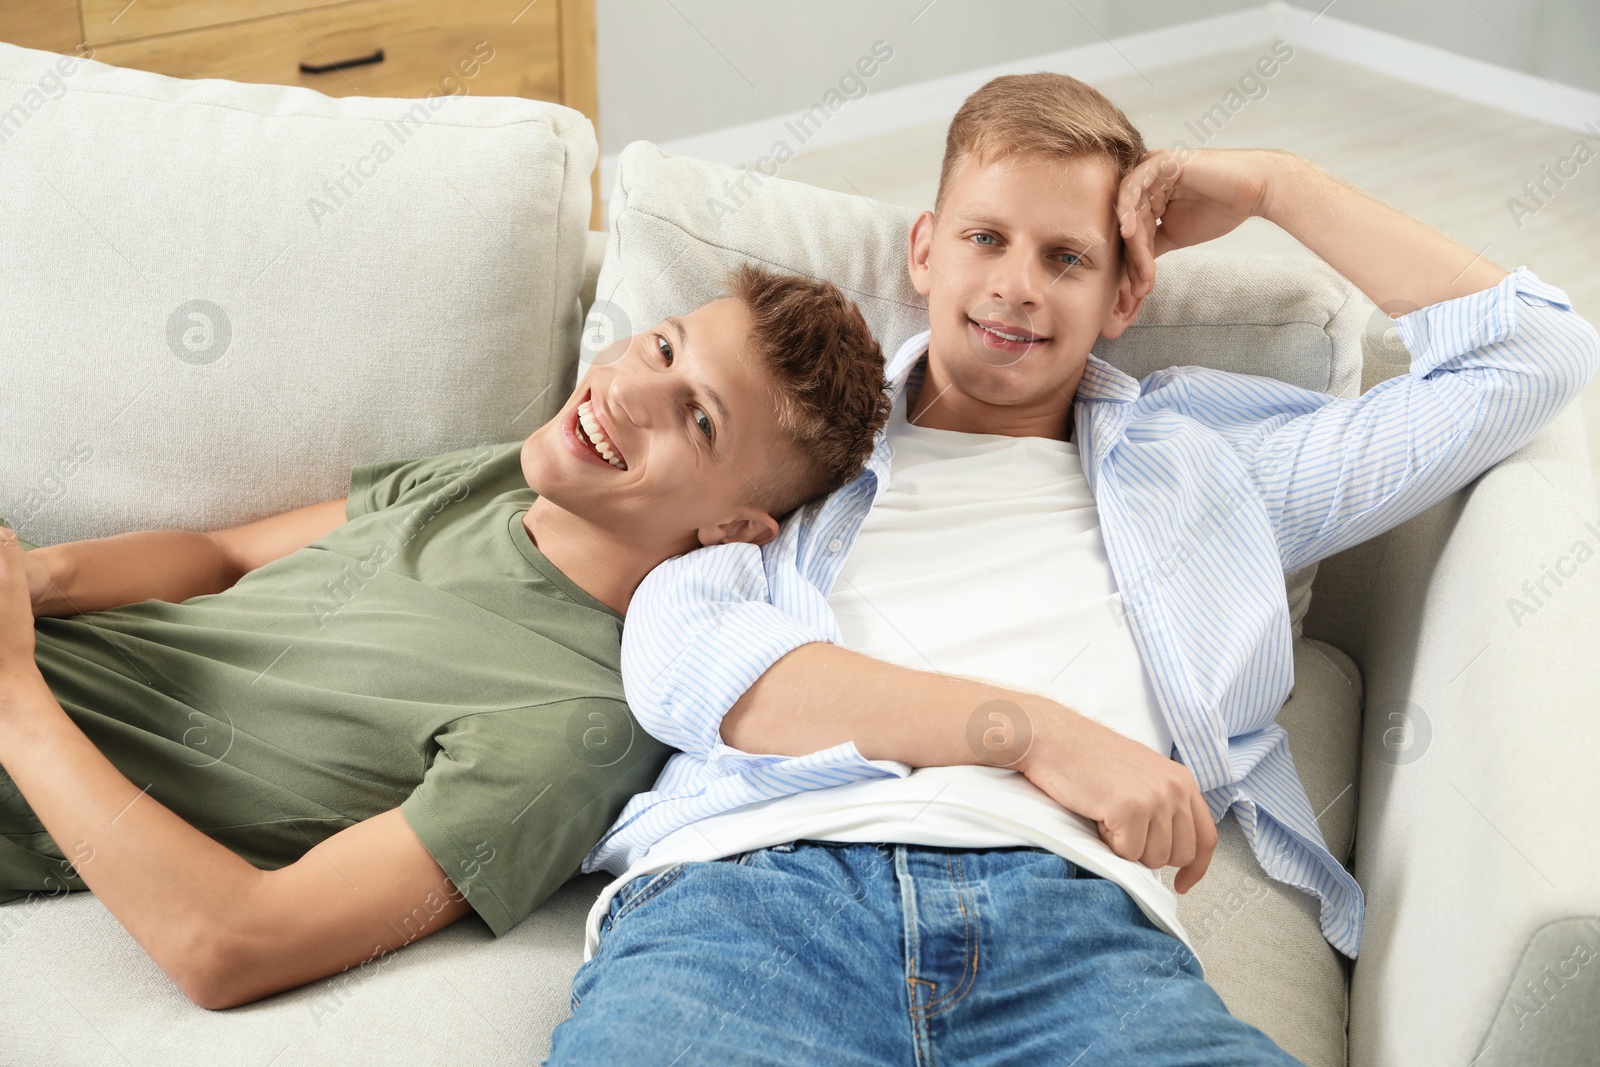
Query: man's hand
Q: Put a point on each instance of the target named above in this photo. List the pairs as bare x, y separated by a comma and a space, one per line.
1175, 198
1198, 195
16, 610
1148, 807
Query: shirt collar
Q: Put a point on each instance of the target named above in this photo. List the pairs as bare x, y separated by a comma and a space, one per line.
1100, 381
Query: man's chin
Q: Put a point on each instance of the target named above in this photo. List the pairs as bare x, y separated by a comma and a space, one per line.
1021, 383
542, 470
533, 461
565, 497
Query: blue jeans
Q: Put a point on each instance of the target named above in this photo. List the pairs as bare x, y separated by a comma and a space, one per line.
821, 953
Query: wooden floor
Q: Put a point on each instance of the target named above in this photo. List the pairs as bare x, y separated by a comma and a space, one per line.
1451, 163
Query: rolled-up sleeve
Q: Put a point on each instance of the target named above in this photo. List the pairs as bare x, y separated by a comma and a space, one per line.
1488, 371
701, 629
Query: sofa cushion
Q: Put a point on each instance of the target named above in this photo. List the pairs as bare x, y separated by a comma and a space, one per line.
678, 224
1259, 940
79, 992
221, 297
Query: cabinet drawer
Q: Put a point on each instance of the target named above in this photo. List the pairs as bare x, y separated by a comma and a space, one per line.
105, 21
48, 24
422, 42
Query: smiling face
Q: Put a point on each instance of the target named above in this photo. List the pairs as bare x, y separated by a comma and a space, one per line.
663, 438
1023, 273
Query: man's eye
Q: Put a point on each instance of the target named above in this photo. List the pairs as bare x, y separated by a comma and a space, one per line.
1073, 256
982, 237
702, 420
664, 346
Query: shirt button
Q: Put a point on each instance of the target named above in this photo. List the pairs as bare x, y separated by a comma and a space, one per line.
835, 545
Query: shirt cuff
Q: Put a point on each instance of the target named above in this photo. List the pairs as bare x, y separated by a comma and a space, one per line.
842, 760
724, 660
1440, 332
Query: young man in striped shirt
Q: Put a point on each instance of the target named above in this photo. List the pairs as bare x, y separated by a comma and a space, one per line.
792, 890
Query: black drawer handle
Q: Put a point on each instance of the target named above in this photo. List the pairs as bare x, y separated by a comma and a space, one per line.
376, 57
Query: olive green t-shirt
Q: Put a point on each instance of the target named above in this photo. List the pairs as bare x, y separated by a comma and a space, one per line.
425, 654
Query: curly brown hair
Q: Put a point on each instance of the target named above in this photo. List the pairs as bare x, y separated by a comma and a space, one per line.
829, 388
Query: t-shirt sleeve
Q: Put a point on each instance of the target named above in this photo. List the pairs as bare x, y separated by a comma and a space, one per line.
375, 486
26, 545
514, 800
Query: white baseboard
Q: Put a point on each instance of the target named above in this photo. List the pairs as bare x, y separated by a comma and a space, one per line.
889, 110
1403, 59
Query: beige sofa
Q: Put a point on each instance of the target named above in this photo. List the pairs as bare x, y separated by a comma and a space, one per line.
436, 302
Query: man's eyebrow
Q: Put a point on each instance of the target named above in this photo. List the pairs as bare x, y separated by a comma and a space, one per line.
714, 396
1080, 239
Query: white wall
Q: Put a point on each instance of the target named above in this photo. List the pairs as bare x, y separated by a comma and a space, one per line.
673, 69
1554, 39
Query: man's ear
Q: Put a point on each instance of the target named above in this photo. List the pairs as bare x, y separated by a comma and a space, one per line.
918, 245
753, 527
1125, 308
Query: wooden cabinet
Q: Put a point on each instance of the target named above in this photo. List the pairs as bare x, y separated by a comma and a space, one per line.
49, 24
543, 49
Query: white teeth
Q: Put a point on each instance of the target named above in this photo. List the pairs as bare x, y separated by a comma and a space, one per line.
1007, 336
597, 436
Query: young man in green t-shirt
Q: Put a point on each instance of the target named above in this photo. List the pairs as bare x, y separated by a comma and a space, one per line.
281, 749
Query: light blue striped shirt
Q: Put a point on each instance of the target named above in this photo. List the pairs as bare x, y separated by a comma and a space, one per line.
1209, 487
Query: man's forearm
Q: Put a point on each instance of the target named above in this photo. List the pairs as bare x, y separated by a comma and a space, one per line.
165, 881
108, 572
1391, 257
820, 695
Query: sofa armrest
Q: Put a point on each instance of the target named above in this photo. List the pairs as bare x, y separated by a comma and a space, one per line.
1478, 777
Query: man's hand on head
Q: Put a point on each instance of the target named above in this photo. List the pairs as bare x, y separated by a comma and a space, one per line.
1175, 198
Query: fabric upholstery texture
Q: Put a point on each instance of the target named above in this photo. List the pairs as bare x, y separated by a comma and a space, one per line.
79, 992
221, 297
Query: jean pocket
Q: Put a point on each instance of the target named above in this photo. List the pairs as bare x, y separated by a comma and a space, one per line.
743, 859
639, 891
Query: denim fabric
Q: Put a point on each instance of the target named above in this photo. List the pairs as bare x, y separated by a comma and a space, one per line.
834, 953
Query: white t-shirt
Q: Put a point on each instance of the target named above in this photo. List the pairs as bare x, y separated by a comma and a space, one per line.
981, 558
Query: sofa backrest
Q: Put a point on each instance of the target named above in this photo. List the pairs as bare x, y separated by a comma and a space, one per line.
219, 297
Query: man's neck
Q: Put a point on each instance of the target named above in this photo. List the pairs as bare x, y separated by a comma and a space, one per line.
937, 405
597, 562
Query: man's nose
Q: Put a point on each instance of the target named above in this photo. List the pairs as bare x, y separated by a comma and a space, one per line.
1019, 280
633, 394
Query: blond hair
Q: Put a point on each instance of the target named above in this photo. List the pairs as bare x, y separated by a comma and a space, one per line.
1046, 115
